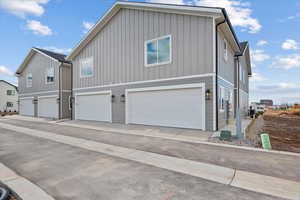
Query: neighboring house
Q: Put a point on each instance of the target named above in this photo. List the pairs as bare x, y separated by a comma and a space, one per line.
267, 102
164, 65
8, 97
44, 85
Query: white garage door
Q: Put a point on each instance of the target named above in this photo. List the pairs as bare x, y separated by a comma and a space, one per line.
174, 106
93, 106
26, 107
48, 107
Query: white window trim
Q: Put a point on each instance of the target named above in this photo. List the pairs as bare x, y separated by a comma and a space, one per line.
80, 63
225, 54
145, 51
46, 75
27, 85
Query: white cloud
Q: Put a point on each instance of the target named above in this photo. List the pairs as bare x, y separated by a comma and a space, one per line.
38, 28
58, 50
258, 56
4, 71
290, 45
282, 92
239, 12
257, 77
87, 26
262, 43
286, 62
22, 8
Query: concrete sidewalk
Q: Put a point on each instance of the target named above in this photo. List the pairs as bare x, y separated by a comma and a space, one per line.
283, 166
240, 179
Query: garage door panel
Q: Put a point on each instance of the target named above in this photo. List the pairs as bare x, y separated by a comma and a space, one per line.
174, 108
26, 107
94, 107
48, 107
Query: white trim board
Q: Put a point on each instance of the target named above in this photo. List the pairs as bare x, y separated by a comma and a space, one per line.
148, 81
24, 98
45, 92
172, 87
46, 97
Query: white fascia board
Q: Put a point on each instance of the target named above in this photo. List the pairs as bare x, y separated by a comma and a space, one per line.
171, 7
200, 11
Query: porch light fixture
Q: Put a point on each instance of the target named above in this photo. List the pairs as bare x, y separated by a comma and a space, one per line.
208, 94
123, 98
113, 97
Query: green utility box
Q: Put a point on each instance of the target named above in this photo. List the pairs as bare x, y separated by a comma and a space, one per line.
265, 141
225, 135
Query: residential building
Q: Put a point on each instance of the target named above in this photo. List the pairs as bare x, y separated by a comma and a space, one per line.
164, 65
267, 102
8, 97
45, 85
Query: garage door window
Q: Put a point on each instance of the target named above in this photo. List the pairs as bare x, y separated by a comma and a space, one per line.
158, 51
87, 67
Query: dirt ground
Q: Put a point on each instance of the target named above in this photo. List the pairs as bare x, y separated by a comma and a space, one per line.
284, 130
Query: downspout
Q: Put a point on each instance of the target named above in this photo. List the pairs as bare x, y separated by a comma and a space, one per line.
60, 91
217, 66
71, 99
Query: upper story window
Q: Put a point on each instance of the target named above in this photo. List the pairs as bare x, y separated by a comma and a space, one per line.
225, 50
50, 75
87, 67
10, 92
29, 80
158, 51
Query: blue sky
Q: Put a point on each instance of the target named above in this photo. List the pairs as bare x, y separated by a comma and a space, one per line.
271, 27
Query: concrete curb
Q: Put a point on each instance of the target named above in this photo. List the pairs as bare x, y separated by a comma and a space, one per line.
23, 187
236, 178
181, 138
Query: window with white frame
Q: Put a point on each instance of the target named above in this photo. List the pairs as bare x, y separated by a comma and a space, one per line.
222, 98
87, 67
10, 92
9, 104
241, 72
29, 80
225, 50
158, 51
50, 75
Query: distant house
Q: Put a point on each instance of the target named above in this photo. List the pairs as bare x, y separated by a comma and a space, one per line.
266, 102
162, 65
44, 85
8, 97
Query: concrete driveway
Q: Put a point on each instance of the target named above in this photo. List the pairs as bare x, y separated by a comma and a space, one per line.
67, 172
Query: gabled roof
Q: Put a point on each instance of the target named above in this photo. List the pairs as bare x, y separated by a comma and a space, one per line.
9, 84
57, 56
215, 12
51, 55
245, 51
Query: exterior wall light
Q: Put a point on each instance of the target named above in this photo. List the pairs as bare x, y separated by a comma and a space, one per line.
208, 94
123, 99
34, 101
113, 97
58, 100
